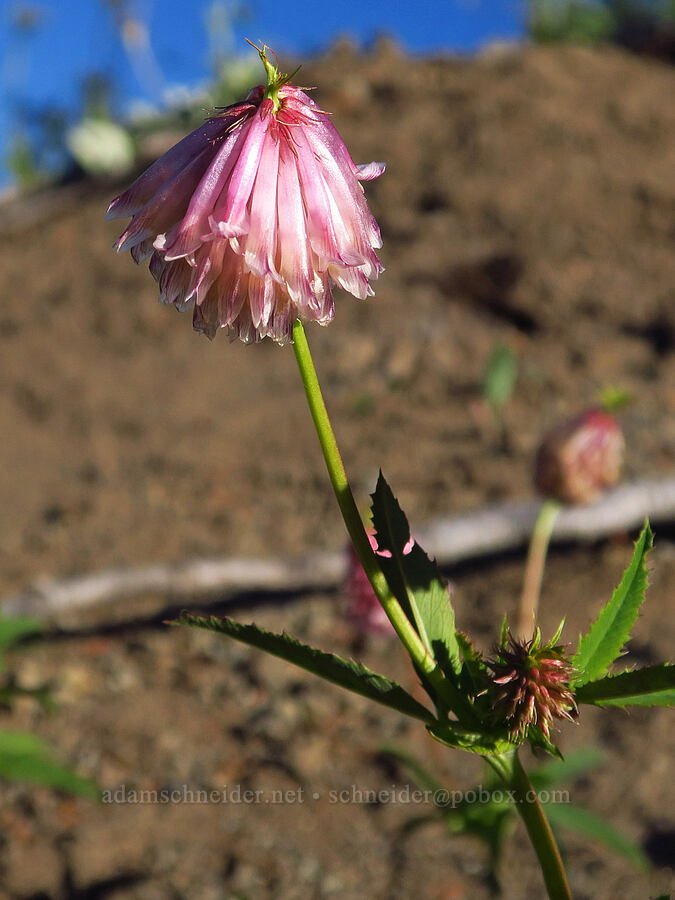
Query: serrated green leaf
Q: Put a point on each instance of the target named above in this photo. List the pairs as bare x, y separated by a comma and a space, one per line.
567, 816
474, 679
415, 580
503, 632
558, 633
473, 741
348, 674
474, 672
650, 686
537, 738
25, 757
610, 631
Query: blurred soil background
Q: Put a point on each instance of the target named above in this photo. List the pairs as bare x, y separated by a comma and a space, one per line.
528, 200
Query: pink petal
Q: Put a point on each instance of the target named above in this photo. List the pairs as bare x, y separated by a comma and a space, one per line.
338, 168
325, 228
261, 241
294, 251
171, 163
166, 207
232, 216
369, 171
188, 236
261, 297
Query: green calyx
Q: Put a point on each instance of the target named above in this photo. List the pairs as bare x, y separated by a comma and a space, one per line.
275, 79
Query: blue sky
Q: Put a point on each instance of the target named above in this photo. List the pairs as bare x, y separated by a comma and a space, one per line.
73, 38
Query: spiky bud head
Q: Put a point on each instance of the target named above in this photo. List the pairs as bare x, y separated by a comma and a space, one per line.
531, 684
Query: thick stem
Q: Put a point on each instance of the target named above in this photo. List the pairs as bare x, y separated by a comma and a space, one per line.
345, 498
510, 769
534, 568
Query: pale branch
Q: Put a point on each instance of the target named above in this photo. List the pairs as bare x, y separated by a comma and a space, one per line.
485, 532
508, 526
48, 598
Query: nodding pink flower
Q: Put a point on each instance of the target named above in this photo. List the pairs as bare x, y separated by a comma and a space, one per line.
255, 215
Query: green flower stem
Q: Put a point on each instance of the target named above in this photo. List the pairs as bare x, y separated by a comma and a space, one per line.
510, 769
345, 498
507, 765
534, 568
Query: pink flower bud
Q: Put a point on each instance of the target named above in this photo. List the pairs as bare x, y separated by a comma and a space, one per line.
254, 216
581, 458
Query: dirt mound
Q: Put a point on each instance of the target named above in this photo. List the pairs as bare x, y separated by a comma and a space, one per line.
528, 200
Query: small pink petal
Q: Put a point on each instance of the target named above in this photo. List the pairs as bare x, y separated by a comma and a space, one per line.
369, 171
188, 237
261, 241
238, 191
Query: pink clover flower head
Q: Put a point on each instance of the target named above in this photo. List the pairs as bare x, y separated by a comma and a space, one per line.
255, 215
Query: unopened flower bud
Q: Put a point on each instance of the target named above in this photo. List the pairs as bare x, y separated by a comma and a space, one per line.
531, 685
580, 458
